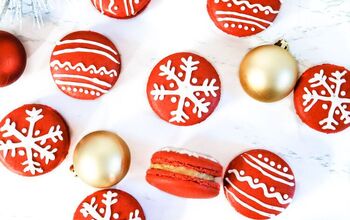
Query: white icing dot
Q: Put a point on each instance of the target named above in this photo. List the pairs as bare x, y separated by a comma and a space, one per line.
337, 112
102, 210
69, 89
325, 106
240, 26
246, 28
24, 130
242, 172
233, 25
255, 10
66, 68
229, 5
91, 71
180, 74
272, 163
86, 91
63, 88
116, 216
78, 69
279, 166
285, 169
56, 67
226, 25
198, 94
323, 92
187, 104
333, 86
266, 159
256, 180
37, 132
115, 8
343, 93
81, 90
272, 189
345, 106
172, 85
98, 94
92, 92
260, 156
252, 29
194, 80
111, 75
267, 12
35, 154
173, 99
285, 196
242, 8
21, 153
101, 73
75, 90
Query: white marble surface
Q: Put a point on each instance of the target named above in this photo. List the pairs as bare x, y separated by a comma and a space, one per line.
318, 31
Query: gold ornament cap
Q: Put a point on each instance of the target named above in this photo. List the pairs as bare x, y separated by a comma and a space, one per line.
269, 73
101, 159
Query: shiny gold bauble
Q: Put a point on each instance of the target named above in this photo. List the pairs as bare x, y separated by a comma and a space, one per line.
268, 73
101, 159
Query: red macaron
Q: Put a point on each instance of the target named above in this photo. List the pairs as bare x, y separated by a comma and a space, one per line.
184, 173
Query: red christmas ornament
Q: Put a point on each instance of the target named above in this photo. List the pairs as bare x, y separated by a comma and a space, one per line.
322, 98
109, 204
259, 184
13, 58
120, 8
34, 139
184, 89
243, 17
85, 65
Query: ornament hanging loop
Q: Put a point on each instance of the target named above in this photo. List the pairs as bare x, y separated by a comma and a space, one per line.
282, 44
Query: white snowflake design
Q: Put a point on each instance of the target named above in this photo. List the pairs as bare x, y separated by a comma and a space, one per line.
110, 198
333, 95
186, 90
31, 141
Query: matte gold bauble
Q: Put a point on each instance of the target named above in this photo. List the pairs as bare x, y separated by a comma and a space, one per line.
268, 73
101, 159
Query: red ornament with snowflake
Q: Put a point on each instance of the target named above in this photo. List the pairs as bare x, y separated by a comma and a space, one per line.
184, 89
322, 98
34, 139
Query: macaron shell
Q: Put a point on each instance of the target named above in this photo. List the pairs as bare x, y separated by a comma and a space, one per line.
316, 98
13, 61
259, 184
120, 9
85, 65
243, 18
182, 185
184, 89
110, 204
34, 139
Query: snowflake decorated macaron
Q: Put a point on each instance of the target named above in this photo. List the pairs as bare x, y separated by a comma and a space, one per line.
34, 139
120, 8
184, 89
85, 65
259, 184
110, 204
322, 98
243, 17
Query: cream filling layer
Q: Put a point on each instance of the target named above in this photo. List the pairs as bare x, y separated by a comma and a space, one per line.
183, 171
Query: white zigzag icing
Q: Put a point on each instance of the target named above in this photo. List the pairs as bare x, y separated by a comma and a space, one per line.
249, 5
249, 180
83, 67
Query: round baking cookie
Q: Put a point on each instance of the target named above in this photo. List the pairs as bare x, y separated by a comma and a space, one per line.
184, 89
259, 184
34, 139
322, 98
13, 58
109, 204
243, 18
85, 65
120, 8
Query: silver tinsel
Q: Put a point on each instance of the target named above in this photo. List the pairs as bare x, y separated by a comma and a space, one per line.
18, 9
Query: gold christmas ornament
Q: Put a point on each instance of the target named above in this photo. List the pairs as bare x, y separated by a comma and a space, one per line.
101, 159
269, 73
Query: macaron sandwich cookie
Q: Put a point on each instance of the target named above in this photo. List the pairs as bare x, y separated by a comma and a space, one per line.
184, 173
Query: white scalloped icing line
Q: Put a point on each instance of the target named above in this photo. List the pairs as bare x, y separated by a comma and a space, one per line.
189, 153
251, 6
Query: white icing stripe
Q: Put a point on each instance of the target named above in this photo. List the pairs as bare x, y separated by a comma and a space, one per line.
82, 41
189, 153
126, 7
242, 15
110, 7
267, 174
84, 85
245, 205
275, 208
132, 7
86, 50
93, 80
242, 21
266, 166
101, 7
90, 68
251, 6
249, 180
